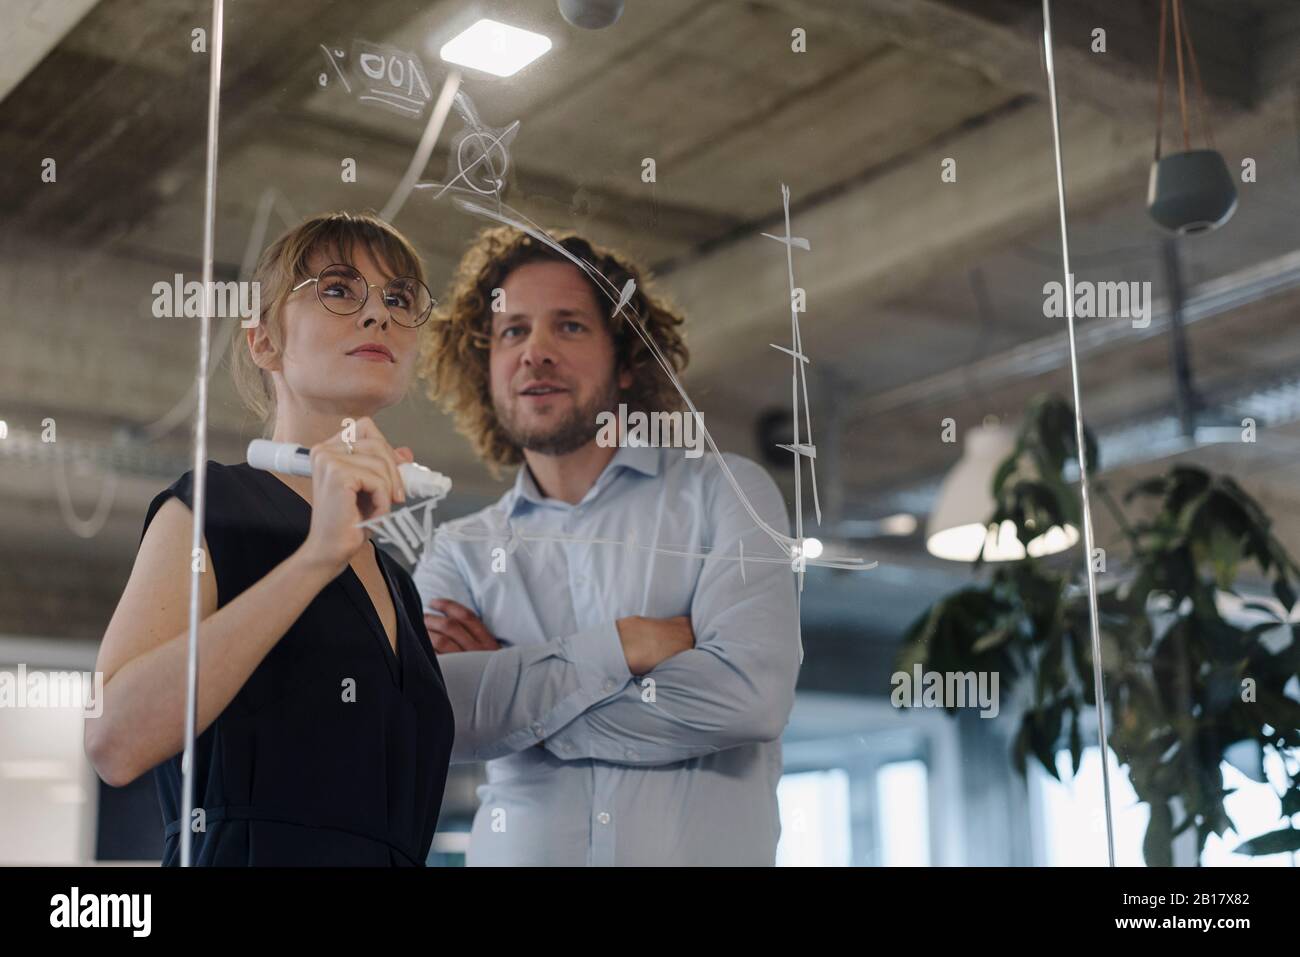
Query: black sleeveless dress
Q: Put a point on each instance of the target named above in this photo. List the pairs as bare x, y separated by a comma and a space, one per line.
335, 751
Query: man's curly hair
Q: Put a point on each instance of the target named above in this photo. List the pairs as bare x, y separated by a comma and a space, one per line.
454, 353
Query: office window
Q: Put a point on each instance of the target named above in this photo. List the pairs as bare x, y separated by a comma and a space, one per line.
1255, 808
47, 788
1072, 823
902, 795
815, 824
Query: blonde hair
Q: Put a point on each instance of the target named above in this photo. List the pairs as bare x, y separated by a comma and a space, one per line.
284, 264
454, 355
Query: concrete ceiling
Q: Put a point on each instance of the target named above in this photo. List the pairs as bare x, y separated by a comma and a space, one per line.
922, 295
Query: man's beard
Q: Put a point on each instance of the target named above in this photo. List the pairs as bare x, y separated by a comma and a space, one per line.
569, 434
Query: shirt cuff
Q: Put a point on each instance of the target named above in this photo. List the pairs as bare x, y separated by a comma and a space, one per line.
597, 654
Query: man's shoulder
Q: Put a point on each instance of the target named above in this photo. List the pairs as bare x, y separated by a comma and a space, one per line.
723, 484
486, 522
492, 516
708, 470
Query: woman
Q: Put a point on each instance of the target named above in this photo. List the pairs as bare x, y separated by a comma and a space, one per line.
324, 729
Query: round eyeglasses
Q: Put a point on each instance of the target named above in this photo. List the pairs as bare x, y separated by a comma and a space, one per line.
343, 291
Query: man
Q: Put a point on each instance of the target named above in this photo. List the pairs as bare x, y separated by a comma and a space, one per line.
625, 676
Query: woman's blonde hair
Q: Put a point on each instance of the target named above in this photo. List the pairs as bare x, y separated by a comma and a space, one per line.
454, 355
284, 264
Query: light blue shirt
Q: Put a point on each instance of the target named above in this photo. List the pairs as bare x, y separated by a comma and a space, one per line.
587, 764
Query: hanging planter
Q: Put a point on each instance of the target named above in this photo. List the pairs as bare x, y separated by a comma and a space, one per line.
1190, 191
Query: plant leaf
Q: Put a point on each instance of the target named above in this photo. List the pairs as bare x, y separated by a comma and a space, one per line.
1285, 594
1076, 741
1291, 801
1157, 845
1275, 842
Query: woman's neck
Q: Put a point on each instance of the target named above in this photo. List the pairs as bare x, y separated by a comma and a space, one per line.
306, 427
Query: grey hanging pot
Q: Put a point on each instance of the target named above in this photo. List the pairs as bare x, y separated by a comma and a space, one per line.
1191, 192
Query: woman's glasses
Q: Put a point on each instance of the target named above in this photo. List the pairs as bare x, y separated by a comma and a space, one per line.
343, 291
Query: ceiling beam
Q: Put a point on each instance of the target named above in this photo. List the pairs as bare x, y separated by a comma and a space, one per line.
32, 29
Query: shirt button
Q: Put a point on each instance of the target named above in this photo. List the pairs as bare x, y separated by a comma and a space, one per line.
603, 817
565, 746
630, 752
609, 684
537, 728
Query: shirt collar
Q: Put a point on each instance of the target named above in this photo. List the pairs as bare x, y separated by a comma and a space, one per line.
525, 492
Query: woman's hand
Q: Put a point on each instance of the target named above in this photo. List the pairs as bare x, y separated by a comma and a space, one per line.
350, 488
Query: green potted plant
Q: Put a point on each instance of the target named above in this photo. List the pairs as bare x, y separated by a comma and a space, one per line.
1183, 685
